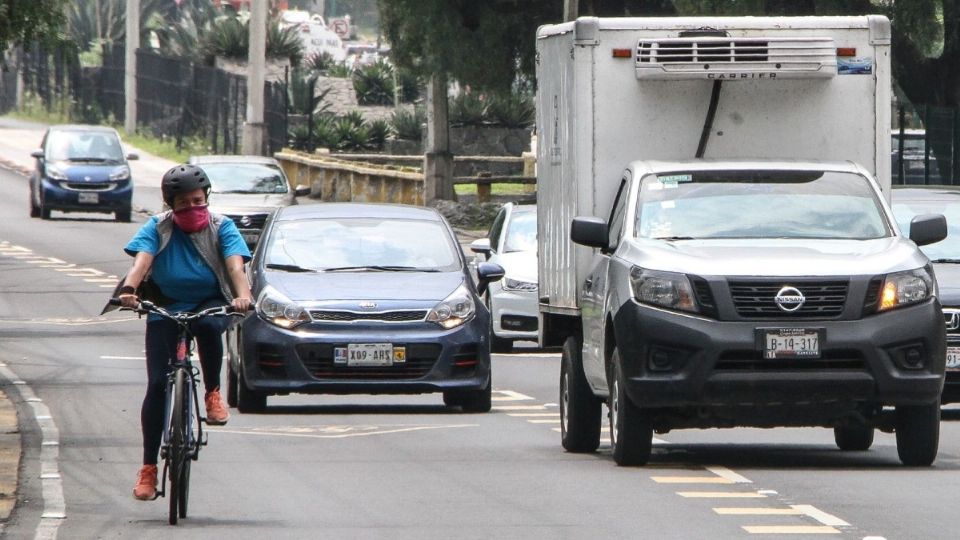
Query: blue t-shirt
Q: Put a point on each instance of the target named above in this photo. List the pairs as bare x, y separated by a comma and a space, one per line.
179, 270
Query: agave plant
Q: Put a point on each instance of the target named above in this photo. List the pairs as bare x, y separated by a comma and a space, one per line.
283, 42
355, 117
467, 109
228, 38
511, 110
302, 94
408, 125
379, 130
320, 61
373, 84
340, 71
184, 38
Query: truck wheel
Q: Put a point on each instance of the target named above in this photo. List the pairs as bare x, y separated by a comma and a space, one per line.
631, 432
918, 433
853, 438
580, 414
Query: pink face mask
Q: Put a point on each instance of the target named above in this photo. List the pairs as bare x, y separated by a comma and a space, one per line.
192, 218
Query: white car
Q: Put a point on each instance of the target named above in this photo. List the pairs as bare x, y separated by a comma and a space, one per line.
512, 301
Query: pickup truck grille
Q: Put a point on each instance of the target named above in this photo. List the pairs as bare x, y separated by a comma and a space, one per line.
755, 299
256, 221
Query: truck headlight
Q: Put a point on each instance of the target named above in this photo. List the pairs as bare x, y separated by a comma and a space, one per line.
663, 289
455, 309
275, 308
517, 285
905, 288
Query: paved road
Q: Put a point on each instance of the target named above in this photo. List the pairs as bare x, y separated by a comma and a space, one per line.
389, 466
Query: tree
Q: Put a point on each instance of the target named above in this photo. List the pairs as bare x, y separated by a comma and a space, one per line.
27, 20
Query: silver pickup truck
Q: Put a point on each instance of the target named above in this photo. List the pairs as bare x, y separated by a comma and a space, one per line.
754, 293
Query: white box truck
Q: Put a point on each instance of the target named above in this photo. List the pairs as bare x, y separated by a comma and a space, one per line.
715, 244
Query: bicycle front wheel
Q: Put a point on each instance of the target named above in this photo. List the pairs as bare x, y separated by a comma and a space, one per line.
178, 458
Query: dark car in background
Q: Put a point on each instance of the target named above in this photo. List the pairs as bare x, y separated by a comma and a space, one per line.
81, 168
909, 202
915, 160
362, 299
247, 189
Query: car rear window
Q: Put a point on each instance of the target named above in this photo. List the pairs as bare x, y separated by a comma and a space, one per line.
760, 204
245, 178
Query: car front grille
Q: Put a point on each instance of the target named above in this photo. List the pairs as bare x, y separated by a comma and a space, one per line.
951, 318
755, 299
256, 221
384, 316
88, 186
318, 360
753, 360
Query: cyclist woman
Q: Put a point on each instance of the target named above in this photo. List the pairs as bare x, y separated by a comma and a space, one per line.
196, 259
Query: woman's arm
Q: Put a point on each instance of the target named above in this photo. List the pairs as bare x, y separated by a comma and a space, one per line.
243, 298
141, 265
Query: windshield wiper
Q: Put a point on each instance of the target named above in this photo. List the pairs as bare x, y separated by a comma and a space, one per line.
672, 238
238, 191
379, 268
289, 267
88, 159
946, 261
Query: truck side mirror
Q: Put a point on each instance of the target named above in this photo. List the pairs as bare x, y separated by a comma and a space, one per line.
302, 190
928, 229
481, 246
590, 232
37, 154
487, 273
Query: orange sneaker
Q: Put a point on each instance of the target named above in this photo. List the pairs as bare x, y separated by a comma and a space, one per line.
217, 413
146, 488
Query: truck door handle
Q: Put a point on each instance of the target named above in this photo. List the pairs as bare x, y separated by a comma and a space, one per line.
588, 284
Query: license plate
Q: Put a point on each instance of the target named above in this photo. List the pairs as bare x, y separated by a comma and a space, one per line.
369, 354
790, 342
953, 358
89, 198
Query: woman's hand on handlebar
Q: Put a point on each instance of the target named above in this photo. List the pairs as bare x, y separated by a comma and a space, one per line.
242, 304
129, 300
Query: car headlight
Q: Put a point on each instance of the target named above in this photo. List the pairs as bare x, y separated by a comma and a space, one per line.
905, 288
517, 285
455, 309
54, 173
122, 174
277, 309
663, 289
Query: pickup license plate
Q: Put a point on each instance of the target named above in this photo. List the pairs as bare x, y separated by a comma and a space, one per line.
790, 342
369, 354
89, 198
953, 358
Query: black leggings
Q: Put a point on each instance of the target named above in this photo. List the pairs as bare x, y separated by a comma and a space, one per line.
161, 346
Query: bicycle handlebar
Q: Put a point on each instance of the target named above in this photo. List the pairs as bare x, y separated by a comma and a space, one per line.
146, 306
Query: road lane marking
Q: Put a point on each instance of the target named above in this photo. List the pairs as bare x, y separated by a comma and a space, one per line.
724, 472
551, 421
721, 494
820, 515
519, 408
749, 511
336, 431
510, 395
524, 415
691, 480
790, 529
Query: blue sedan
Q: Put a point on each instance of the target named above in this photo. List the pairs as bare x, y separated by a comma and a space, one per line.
362, 298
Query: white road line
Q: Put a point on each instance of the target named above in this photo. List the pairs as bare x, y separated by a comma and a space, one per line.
820, 515
721, 494
690, 480
51, 484
551, 421
750, 511
123, 358
724, 472
518, 408
510, 395
549, 414
338, 435
790, 529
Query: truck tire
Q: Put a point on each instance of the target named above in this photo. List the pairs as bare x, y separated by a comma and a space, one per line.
631, 431
580, 410
854, 437
918, 433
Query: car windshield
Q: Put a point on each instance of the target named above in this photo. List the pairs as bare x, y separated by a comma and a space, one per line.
362, 244
947, 249
522, 232
245, 178
911, 144
83, 146
759, 204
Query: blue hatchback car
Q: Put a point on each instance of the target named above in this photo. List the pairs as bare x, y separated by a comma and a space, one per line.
366, 299
81, 169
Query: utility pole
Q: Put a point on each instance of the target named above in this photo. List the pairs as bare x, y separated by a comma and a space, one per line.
253, 129
571, 10
130, 66
438, 161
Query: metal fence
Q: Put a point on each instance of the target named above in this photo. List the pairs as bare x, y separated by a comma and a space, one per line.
925, 145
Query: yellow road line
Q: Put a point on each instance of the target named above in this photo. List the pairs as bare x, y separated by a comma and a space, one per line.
721, 494
790, 529
691, 480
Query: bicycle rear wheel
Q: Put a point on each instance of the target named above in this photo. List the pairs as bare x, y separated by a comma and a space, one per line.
177, 457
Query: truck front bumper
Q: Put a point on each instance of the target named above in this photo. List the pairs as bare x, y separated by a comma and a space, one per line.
673, 360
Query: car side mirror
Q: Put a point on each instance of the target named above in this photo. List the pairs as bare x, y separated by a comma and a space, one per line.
928, 229
133, 156
590, 232
37, 154
302, 190
487, 273
481, 246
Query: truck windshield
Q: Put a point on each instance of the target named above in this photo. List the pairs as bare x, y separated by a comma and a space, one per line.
759, 204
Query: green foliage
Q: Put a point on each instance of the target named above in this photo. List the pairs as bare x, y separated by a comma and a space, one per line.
467, 109
23, 21
228, 38
355, 117
373, 84
408, 125
379, 131
511, 110
302, 94
283, 42
320, 61
340, 71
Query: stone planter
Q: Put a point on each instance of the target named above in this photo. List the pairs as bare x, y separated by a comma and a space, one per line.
275, 70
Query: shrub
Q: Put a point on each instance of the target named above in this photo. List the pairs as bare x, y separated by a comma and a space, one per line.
300, 138
373, 84
302, 94
283, 42
340, 71
408, 125
228, 38
379, 131
511, 110
320, 61
467, 109
355, 117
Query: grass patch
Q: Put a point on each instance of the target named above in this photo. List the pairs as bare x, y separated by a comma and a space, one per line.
496, 189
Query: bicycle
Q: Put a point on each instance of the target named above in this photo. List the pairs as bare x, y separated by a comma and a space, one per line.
183, 427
